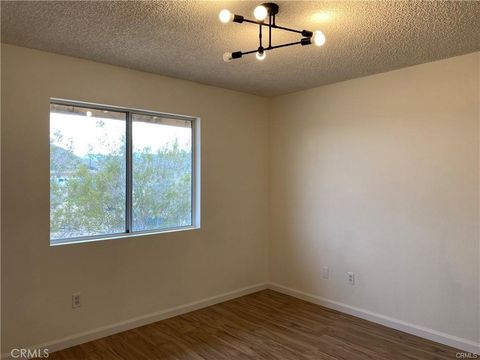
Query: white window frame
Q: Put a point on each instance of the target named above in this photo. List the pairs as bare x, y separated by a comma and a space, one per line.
196, 167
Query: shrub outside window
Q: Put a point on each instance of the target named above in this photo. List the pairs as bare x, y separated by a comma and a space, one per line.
118, 172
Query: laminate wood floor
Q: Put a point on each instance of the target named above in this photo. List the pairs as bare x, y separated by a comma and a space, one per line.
264, 325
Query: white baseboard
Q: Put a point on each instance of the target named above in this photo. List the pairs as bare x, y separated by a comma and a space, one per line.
101, 332
430, 334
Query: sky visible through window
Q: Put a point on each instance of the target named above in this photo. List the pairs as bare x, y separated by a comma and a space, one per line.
81, 127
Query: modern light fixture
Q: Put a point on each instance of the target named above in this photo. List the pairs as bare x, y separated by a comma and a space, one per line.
261, 54
225, 16
318, 38
261, 13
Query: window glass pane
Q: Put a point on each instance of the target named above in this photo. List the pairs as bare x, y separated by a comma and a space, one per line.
162, 172
87, 171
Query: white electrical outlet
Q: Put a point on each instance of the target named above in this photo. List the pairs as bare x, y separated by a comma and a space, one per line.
350, 278
325, 272
76, 300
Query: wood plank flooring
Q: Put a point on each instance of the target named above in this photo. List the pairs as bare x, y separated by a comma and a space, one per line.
264, 325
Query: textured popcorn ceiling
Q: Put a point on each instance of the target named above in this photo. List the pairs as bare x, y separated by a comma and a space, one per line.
186, 40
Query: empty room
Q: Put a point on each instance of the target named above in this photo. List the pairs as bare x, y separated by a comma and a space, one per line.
240, 180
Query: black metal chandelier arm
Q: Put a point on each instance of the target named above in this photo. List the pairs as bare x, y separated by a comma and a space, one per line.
249, 52
303, 42
260, 36
306, 33
270, 30
240, 19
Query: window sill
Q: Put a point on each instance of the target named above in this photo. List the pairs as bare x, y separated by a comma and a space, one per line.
95, 238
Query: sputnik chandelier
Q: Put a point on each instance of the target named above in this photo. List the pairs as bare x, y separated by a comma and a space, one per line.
261, 13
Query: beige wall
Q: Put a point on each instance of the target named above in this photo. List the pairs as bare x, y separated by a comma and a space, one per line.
122, 279
377, 175
380, 176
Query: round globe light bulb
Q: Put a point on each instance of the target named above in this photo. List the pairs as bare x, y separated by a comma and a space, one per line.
89, 113
260, 13
227, 57
261, 55
318, 38
225, 16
